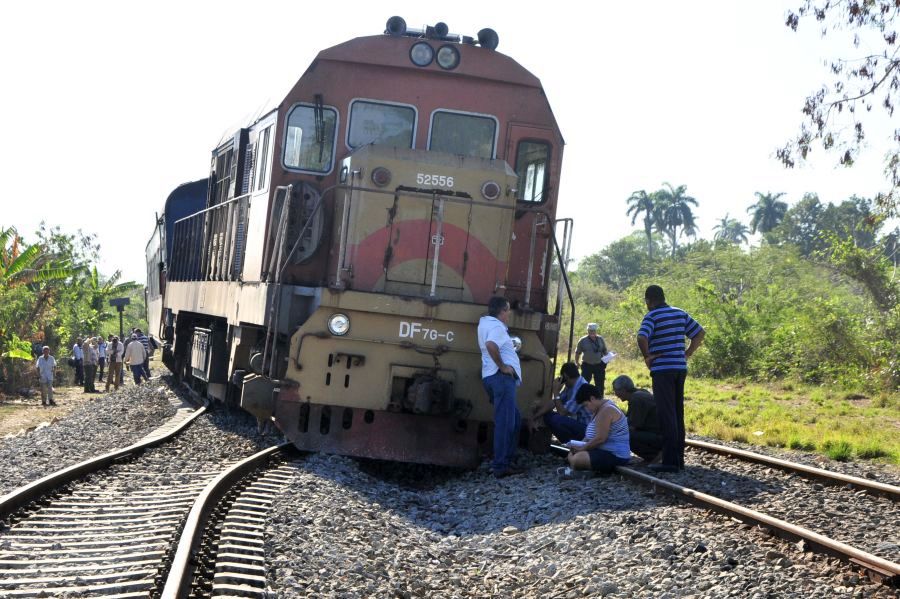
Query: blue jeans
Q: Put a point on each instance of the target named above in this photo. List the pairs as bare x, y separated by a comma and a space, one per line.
564, 428
138, 372
501, 390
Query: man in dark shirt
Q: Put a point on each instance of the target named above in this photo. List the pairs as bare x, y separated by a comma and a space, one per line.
565, 418
643, 425
661, 341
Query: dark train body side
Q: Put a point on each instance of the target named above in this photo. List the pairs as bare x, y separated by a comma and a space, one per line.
337, 283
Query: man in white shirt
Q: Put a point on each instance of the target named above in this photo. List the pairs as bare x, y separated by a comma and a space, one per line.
46, 367
78, 355
135, 355
501, 373
101, 347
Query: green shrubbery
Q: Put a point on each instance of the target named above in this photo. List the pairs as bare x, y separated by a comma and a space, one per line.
770, 313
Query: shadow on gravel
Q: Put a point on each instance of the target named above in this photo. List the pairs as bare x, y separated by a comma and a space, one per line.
457, 502
728, 485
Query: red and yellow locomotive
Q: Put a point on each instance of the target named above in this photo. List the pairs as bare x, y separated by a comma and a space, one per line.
351, 238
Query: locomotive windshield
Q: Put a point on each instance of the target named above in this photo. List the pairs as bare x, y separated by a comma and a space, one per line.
382, 124
310, 138
464, 134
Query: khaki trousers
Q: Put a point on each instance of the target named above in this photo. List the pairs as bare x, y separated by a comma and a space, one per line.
46, 392
114, 374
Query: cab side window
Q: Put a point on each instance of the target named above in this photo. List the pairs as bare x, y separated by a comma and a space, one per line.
309, 142
533, 166
263, 159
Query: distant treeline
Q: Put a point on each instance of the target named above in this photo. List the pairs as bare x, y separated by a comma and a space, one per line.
816, 300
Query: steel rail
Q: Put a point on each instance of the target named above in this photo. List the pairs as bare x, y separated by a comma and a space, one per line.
17, 498
880, 569
890, 491
181, 572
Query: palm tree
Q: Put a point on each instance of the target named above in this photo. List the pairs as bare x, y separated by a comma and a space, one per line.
641, 201
767, 212
673, 210
731, 230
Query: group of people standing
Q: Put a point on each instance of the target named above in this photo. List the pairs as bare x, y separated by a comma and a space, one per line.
598, 434
94, 353
91, 355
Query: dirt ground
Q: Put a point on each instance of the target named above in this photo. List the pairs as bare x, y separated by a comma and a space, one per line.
19, 414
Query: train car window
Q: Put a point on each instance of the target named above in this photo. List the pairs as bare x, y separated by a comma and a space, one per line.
382, 124
465, 134
222, 164
309, 144
532, 166
263, 158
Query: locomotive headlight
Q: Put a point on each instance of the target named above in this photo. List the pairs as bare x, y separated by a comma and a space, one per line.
381, 176
421, 54
448, 57
490, 190
339, 324
517, 343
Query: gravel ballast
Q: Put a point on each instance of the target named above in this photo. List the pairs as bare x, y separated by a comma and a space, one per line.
356, 528
109, 422
347, 529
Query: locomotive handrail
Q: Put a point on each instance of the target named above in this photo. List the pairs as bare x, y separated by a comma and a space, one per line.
214, 207
565, 279
210, 242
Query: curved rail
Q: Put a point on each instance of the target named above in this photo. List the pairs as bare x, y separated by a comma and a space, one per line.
17, 498
178, 581
826, 475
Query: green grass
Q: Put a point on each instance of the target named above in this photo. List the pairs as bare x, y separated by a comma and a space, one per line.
843, 424
842, 451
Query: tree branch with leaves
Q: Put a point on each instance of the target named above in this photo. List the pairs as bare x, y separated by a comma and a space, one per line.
837, 115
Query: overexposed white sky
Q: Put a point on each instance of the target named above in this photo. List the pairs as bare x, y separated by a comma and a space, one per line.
107, 105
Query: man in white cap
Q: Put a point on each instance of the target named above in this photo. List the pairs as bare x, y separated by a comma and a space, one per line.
589, 354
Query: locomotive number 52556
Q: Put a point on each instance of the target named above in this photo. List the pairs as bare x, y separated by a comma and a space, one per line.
439, 180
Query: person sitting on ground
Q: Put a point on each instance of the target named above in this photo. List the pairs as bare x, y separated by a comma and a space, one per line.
135, 355
563, 416
91, 358
643, 425
605, 443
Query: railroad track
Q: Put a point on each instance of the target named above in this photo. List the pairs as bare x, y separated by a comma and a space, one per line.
128, 523
99, 535
221, 551
883, 505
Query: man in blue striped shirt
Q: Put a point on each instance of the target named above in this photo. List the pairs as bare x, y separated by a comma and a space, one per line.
661, 341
